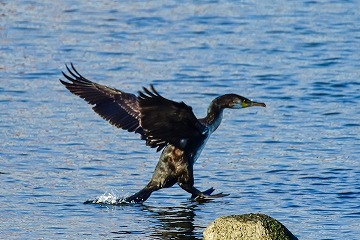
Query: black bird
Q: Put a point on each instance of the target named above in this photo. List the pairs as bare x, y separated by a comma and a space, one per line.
164, 124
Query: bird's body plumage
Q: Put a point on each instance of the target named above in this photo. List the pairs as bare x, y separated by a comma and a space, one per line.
164, 124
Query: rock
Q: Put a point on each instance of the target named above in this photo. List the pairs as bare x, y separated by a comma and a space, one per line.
247, 226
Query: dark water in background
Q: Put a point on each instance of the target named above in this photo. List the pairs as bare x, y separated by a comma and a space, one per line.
297, 160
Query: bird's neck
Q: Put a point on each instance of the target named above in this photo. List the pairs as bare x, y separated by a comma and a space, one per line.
213, 117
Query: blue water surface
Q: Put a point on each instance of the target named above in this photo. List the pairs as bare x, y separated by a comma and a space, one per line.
297, 160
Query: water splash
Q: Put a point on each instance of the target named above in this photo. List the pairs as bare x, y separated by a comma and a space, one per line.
109, 198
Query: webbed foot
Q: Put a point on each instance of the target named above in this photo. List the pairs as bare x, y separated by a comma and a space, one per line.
139, 197
206, 195
142, 195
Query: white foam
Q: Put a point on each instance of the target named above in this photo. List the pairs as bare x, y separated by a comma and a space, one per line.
109, 198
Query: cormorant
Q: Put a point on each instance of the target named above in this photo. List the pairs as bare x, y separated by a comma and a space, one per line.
164, 124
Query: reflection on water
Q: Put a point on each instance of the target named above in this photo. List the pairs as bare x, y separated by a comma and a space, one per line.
173, 222
296, 160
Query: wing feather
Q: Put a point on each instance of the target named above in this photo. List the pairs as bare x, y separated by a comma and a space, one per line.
166, 121
118, 108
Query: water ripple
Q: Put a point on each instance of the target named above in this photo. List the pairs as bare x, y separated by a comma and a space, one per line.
296, 160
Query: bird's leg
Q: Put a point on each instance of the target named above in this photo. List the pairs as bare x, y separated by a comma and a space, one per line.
163, 177
143, 194
157, 182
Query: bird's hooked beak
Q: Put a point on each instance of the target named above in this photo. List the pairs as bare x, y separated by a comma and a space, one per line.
259, 104
248, 103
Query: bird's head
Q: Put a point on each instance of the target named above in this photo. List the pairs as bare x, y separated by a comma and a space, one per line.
235, 101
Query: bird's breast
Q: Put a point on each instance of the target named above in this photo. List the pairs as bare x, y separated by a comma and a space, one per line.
196, 151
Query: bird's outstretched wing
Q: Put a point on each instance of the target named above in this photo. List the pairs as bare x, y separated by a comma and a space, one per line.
119, 108
159, 121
